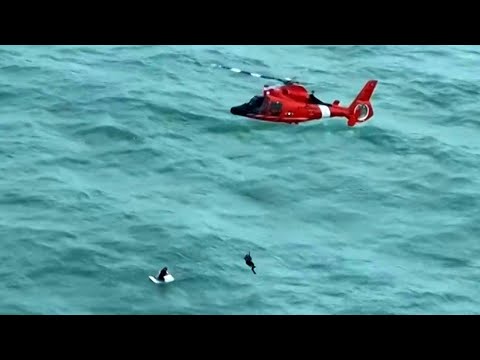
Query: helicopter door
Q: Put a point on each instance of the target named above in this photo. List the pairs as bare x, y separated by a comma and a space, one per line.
276, 108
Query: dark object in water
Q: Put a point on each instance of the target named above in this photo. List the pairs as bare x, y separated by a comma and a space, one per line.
249, 262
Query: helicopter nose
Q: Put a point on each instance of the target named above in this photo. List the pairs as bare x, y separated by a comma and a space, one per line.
238, 110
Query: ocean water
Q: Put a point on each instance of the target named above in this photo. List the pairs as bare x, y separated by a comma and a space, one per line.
119, 160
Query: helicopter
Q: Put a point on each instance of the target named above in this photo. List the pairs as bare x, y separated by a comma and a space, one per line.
292, 103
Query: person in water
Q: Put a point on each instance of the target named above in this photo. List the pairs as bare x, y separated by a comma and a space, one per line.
161, 275
249, 262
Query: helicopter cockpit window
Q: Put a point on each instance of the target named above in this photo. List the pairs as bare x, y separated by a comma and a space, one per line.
256, 102
276, 108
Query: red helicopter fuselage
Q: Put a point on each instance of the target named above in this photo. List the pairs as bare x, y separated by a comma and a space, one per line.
293, 104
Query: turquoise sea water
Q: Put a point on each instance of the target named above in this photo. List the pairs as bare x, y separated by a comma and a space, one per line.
119, 160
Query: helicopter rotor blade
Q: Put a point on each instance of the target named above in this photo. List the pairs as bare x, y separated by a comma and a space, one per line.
285, 81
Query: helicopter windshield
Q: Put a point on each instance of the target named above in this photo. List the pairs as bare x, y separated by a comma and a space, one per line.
252, 107
256, 102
